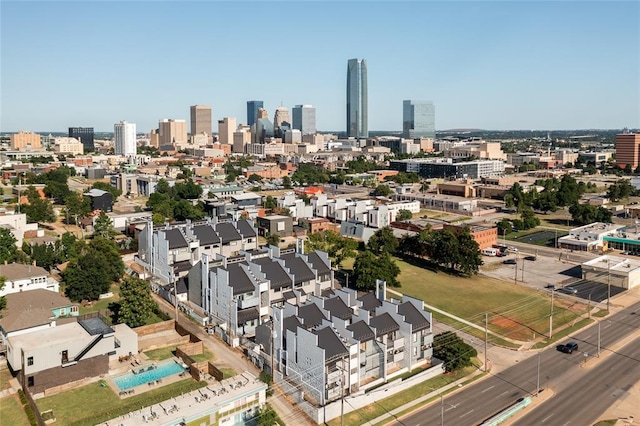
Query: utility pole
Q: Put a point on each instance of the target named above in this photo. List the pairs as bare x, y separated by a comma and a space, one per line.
441, 410
486, 338
523, 262
515, 278
551, 316
589, 307
608, 284
598, 339
538, 381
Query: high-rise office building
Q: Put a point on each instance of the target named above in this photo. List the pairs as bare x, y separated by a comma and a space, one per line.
84, 135
628, 150
172, 132
304, 119
125, 138
357, 105
226, 127
281, 116
201, 120
252, 111
418, 119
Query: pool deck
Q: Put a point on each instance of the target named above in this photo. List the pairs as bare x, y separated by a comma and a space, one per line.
136, 390
193, 405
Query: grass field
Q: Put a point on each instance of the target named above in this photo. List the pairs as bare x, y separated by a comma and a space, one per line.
170, 351
515, 312
5, 376
11, 411
370, 412
93, 404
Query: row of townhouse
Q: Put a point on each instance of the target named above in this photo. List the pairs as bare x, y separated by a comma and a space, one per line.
342, 343
240, 292
365, 211
170, 251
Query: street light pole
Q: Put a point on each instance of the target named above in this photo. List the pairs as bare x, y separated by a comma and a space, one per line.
538, 381
598, 339
608, 284
441, 410
551, 316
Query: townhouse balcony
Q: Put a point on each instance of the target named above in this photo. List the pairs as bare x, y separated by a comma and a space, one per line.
249, 302
263, 287
398, 343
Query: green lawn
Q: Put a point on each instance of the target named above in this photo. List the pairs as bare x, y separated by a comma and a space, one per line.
11, 411
370, 412
93, 404
170, 351
102, 305
515, 312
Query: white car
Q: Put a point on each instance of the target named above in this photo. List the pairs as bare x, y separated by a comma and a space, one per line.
513, 249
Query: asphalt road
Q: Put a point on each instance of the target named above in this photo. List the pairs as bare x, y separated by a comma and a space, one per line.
580, 394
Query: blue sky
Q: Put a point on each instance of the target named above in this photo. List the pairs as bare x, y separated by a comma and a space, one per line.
489, 65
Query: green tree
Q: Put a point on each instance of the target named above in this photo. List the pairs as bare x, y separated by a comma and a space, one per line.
3, 300
92, 273
286, 182
383, 241
103, 227
273, 239
57, 190
268, 417
136, 303
187, 190
584, 214
45, 255
183, 210
368, 268
445, 248
8, 249
529, 218
270, 203
76, 207
254, 178
38, 209
451, 349
104, 186
620, 190
336, 246
470, 260
382, 191
504, 227
404, 215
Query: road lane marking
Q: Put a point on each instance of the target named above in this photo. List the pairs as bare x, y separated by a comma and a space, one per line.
503, 393
586, 337
468, 412
489, 388
452, 407
547, 418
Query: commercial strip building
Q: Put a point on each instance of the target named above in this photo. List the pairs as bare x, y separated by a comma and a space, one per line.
446, 168
592, 237
623, 272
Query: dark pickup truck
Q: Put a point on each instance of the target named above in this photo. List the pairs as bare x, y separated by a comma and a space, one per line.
568, 348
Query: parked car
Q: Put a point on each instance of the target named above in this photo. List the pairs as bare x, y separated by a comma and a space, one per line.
571, 290
509, 262
513, 249
550, 287
568, 348
530, 258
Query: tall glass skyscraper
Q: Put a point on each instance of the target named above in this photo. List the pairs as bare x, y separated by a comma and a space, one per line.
84, 135
357, 125
418, 119
252, 111
304, 119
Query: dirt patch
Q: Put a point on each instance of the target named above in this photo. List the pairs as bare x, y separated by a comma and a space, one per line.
505, 323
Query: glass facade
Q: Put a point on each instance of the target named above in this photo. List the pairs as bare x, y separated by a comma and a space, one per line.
252, 111
84, 135
304, 119
418, 119
357, 106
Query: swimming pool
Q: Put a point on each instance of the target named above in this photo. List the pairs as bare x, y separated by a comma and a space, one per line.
152, 373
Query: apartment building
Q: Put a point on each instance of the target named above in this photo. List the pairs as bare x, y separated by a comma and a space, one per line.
342, 342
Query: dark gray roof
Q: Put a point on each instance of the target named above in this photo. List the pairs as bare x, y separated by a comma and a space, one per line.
298, 268
277, 276
206, 235
337, 308
331, 343
287, 295
246, 229
183, 265
361, 331
247, 314
383, 324
291, 323
413, 316
238, 279
175, 238
310, 315
369, 302
227, 232
318, 263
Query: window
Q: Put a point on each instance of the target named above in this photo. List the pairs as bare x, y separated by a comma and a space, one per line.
30, 381
30, 360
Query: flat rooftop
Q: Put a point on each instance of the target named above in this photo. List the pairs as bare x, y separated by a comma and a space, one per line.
598, 227
614, 263
49, 337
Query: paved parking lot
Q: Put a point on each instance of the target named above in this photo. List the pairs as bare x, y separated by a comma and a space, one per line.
595, 291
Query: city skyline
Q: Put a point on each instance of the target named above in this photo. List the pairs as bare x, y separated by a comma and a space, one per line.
488, 65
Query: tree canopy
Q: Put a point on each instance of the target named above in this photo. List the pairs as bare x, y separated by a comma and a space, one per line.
39, 209
403, 215
368, 268
136, 302
91, 274
103, 227
451, 349
8, 249
336, 246
584, 214
383, 241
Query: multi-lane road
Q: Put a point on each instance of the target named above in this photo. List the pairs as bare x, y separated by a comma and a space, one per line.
581, 393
